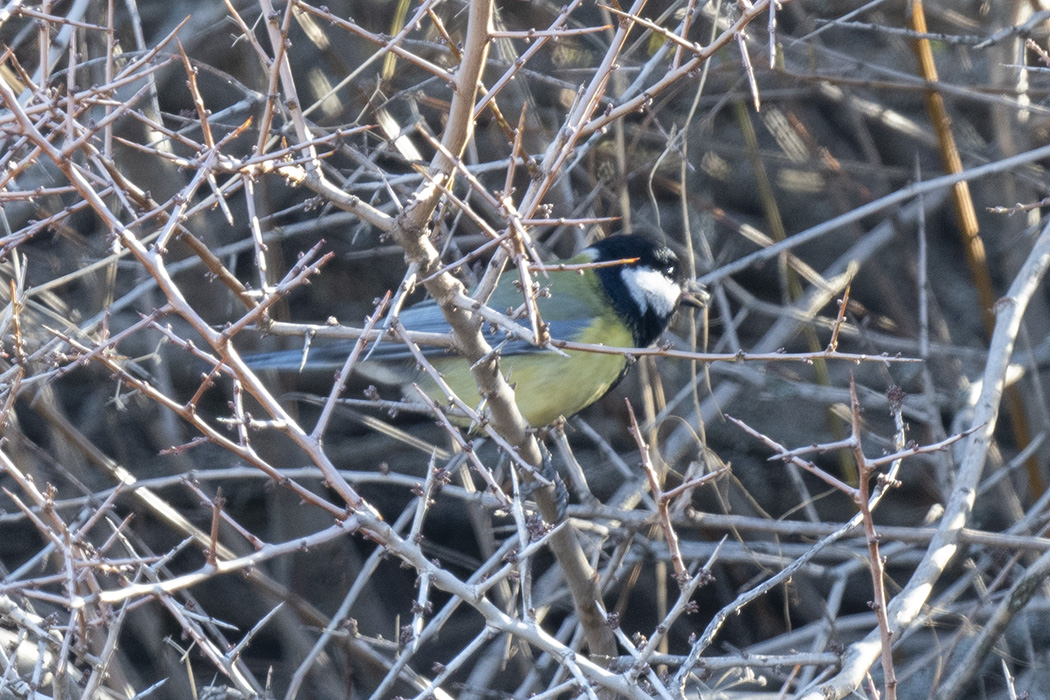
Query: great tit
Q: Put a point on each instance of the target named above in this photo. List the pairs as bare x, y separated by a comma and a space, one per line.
627, 303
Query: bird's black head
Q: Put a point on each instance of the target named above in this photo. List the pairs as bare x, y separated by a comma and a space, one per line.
646, 291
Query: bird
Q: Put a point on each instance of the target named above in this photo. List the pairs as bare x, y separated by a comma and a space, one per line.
626, 294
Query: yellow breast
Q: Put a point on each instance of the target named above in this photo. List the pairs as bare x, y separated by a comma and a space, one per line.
548, 385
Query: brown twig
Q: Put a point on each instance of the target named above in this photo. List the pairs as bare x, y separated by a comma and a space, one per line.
662, 504
969, 231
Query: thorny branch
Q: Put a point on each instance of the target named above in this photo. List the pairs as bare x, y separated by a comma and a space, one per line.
474, 141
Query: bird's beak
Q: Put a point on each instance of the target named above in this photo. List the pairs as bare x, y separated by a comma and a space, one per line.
694, 296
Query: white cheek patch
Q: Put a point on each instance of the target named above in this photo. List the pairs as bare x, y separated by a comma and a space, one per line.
651, 290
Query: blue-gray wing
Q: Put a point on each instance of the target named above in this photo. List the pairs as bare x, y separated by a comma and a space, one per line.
569, 307
565, 317
424, 317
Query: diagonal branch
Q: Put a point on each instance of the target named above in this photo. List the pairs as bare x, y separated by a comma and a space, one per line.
906, 605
